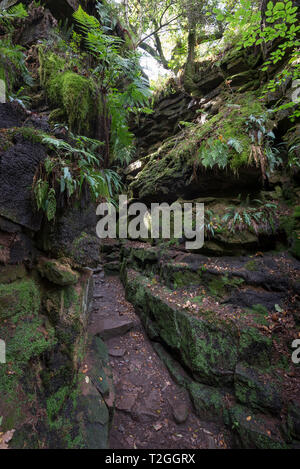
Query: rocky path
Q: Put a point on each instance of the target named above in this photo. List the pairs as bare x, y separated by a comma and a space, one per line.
151, 412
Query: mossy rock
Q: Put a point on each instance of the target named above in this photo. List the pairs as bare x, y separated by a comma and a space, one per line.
209, 402
258, 390
28, 335
97, 373
291, 226
73, 94
11, 273
179, 276
207, 347
293, 419
145, 255
85, 250
57, 273
64, 306
175, 169
255, 431
94, 420
255, 348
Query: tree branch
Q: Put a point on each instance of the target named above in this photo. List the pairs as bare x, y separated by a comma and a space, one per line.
157, 30
154, 53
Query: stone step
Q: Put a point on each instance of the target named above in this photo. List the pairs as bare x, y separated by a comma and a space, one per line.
109, 328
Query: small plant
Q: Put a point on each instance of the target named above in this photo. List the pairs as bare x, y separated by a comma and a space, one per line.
115, 67
11, 55
198, 299
261, 219
294, 156
212, 224
235, 425
65, 174
218, 152
263, 152
214, 153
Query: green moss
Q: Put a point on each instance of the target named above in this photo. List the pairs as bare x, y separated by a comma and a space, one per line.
64, 308
57, 115
51, 64
186, 278
258, 390
56, 401
177, 158
29, 133
209, 402
259, 314
220, 284
26, 333
252, 266
73, 94
255, 348
58, 273
5, 140
19, 299
253, 431
297, 212
77, 95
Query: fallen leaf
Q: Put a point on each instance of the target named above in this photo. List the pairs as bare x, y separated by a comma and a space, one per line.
157, 427
5, 439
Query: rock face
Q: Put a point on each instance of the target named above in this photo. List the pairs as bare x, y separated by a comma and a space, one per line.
44, 303
57, 273
74, 235
17, 168
234, 360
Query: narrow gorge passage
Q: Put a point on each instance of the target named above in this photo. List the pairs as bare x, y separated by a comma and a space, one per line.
147, 401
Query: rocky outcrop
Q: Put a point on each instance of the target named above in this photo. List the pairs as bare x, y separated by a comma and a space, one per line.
45, 301
235, 353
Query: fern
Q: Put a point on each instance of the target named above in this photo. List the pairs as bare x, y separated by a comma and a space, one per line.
263, 151
234, 143
68, 170
51, 205
258, 220
41, 192
8, 15
214, 154
11, 55
118, 99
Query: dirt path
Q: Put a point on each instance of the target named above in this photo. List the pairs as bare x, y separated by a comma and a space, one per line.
152, 412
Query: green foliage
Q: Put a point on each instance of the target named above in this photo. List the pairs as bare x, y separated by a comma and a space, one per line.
212, 224
260, 219
241, 134
280, 27
73, 93
8, 16
214, 153
118, 98
264, 154
12, 62
68, 170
